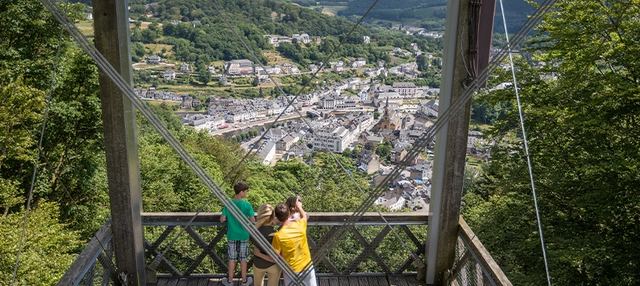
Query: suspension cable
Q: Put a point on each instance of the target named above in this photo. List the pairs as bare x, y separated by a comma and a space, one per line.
37, 159
429, 135
155, 121
290, 104
201, 173
526, 146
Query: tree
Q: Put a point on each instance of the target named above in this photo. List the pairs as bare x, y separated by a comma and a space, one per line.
48, 247
384, 150
204, 75
582, 130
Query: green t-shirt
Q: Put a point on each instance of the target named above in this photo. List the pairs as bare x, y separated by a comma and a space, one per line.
235, 231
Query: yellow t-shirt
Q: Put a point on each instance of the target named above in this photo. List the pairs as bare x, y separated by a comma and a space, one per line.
291, 242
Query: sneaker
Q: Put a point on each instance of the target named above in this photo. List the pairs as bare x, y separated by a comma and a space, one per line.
226, 282
249, 281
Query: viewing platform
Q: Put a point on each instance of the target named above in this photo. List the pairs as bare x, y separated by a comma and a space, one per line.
369, 252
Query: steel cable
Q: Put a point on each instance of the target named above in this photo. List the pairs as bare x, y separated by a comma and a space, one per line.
127, 90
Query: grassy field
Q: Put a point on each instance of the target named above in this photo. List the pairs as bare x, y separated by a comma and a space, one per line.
158, 102
333, 10
274, 58
154, 49
86, 27
479, 124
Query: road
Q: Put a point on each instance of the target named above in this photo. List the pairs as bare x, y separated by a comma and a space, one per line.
244, 125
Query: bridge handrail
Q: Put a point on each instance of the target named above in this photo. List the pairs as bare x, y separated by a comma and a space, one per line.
472, 258
87, 258
315, 218
473, 248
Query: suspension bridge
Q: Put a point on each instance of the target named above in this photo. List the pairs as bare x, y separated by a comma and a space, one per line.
135, 247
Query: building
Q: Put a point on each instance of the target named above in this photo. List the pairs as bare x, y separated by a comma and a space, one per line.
405, 89
386, 98
240, 67
284, 144
289, 68
429, 108
337, 67
332, 138
392, 201
390, 120
184, 68
304, 38
368, 162
154, 60
169, 75
358, 63
267, 151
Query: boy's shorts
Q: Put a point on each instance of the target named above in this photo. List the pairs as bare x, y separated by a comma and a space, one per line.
238, 250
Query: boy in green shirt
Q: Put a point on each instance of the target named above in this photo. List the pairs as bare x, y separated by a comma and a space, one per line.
237, 236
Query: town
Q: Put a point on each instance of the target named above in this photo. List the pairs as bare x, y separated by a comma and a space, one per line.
371, 122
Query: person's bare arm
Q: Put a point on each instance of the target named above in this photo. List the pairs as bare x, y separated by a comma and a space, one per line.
252, 219
303, 214
258, 253
223, 218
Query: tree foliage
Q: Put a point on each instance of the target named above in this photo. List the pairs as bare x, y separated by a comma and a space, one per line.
583, 131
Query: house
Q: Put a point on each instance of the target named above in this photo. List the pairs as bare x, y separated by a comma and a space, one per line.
368, 162
366, 39
154, 59
187, 102
429, 108
284, 144
240, 67
385, 98
358, 63
184, 67
374, 140
337, 67
289, 68
414, 46
392, 201
397, 154
175, 22
304, 38
267, 151
169, 75
276, 40
275, 134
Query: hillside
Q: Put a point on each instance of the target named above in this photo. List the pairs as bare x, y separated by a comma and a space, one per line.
429, 15
198, 34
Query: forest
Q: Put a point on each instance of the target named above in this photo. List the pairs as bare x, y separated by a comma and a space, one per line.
425, 14
212, 40
583, 130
